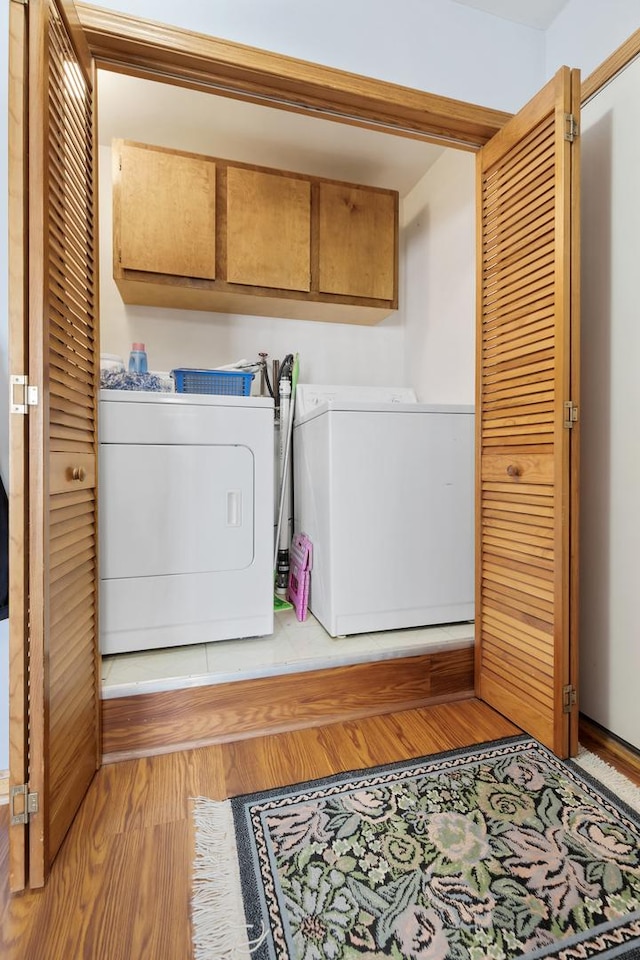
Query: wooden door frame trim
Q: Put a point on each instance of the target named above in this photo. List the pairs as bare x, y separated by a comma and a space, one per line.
574, 433
18, 425
154, 50
608, 69
146, 48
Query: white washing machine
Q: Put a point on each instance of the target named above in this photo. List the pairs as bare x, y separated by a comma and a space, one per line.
186, 519
384, 487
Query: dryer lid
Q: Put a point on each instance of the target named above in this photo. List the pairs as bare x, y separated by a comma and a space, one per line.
183, 399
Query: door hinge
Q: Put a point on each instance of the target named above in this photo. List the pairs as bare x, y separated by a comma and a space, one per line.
20, 403
570, 414
568, 698
30, 804
571, 131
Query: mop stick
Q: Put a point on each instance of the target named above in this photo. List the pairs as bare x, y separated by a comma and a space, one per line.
287, 450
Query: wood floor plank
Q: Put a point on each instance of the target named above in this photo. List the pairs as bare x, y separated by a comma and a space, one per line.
272, 761
163, 893
136, 795
385, 739
365, 743
206, 777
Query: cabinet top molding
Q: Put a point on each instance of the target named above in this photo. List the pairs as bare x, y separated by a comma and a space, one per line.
154, 50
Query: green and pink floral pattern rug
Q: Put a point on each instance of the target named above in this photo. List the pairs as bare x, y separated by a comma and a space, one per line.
484, 853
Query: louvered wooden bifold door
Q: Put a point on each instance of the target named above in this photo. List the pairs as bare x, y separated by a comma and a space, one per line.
63, 708
526, 273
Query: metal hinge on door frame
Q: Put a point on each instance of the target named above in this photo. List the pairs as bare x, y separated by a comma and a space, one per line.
29, 394
570, 414
31, 804
571, 131
569, 698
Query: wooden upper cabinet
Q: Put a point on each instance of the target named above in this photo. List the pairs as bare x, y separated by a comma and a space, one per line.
167, 206
358, 241
202, 233
268, 229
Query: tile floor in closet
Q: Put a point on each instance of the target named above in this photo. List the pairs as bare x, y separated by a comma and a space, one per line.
293, 647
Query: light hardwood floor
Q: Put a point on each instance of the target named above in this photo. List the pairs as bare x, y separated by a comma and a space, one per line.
119, 889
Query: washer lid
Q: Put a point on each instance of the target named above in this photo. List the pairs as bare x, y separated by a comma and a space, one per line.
311, 396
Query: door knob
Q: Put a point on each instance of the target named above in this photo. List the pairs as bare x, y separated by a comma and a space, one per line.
514, 470
78, 473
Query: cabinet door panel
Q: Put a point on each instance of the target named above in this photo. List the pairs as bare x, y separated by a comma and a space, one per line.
167, 204
357, 242
268, 230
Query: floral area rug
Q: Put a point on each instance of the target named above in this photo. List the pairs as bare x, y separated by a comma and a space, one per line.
483, 853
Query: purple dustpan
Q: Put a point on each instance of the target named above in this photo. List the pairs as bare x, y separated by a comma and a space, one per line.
301, 561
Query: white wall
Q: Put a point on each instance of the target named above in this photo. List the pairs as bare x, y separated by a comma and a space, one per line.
586, 32
438, 283
610, 461
584, 35
434, 45
329, 352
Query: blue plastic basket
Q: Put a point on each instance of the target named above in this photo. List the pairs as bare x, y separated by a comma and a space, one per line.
235, 383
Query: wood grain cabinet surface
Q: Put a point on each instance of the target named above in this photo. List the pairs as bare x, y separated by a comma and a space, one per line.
357, 241
268, 229
204, 233
168, 206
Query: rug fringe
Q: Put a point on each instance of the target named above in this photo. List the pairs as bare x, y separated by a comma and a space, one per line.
610, 777
217, 911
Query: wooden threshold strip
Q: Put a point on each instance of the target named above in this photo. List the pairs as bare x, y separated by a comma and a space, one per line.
156, 723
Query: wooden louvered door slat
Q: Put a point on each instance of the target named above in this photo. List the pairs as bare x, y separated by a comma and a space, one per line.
61, 310
526, 495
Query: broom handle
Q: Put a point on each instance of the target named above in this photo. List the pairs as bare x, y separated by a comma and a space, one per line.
283, 486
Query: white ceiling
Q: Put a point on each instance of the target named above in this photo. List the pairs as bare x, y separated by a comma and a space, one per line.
531, 13
172, 116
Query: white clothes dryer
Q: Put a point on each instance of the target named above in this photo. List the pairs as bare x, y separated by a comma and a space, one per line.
384, 487
186, 519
